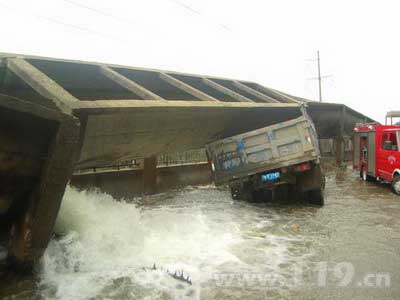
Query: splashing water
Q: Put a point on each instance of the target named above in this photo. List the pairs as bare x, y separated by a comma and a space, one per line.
105, 244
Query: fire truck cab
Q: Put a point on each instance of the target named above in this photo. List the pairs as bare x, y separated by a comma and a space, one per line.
377, 153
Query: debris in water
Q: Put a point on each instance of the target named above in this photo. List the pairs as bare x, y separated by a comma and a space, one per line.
176, 275
296, 227
180, 277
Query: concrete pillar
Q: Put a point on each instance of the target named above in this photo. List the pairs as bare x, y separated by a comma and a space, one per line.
150, 175
339, 140
339, 150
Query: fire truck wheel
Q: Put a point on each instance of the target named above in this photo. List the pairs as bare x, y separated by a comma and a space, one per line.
396, 185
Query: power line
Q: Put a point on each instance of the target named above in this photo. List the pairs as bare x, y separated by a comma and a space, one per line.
76, 27
194, 11
187, 7
100, 12
106, 14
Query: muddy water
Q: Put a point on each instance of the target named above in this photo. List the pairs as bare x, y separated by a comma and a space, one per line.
349, 249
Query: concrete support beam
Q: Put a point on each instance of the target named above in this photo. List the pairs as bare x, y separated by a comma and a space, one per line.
280, 97
339, 150
339, 141
41, 83
129, 84
150, 175
44, 147
343, 113
253, 92
225, 91
187, 88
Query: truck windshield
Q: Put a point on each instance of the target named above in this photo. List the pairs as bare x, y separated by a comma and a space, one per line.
398, 140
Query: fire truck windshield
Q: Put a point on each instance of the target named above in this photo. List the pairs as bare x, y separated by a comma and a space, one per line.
398, 139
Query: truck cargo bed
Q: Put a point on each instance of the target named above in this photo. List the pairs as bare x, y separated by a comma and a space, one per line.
283, 144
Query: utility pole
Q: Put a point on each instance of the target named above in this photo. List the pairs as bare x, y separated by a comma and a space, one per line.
319, 77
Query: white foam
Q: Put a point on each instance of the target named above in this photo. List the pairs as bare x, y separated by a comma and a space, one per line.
105, 240
106, 243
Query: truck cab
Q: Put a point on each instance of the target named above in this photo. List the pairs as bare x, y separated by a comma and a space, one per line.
377, 153
388, 153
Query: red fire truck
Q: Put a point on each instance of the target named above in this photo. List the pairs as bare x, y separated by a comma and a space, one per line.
377, 153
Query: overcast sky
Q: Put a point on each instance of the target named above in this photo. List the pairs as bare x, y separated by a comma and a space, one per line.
270, 42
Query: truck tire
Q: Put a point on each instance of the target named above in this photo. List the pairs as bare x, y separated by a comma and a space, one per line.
248, 196
280, 194
396, 185
242, 191
316, 197
247, 192
236, 192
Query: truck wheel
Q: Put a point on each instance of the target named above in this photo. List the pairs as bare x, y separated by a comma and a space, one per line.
280, 194
236, 193
247, 192
248, 196
396, 185
316, 197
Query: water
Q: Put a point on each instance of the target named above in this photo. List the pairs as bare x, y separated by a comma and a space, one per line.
231, 250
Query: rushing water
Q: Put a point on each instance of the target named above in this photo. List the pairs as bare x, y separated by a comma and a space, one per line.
105, 249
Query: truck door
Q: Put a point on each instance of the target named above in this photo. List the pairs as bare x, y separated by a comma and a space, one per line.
388, 158
396, 155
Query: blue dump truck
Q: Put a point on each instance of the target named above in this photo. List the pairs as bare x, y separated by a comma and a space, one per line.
278, 161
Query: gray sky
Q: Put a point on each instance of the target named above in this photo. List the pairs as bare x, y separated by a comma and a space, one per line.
270, 42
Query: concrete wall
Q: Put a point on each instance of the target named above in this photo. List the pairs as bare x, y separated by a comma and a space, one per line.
328, 148
128, 184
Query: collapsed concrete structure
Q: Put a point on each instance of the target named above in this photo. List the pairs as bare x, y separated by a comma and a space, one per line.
60, 115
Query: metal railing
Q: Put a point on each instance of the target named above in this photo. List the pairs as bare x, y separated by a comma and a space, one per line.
164, 160
183, 158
